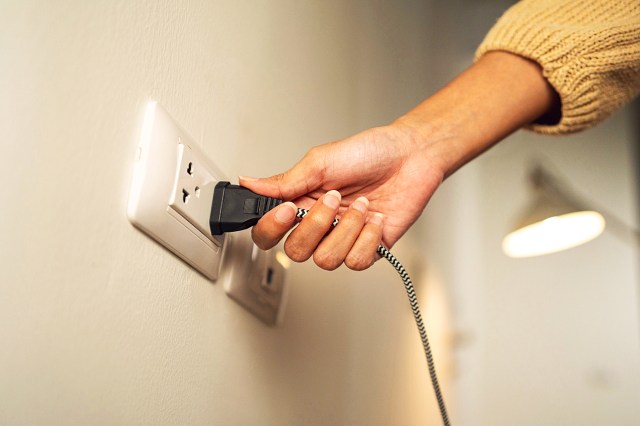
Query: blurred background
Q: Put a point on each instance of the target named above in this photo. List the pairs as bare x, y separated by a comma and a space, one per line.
101, 325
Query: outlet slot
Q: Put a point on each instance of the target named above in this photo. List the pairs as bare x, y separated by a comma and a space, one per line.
193, 190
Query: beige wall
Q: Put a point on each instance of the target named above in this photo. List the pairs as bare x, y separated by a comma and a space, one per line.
552, 340
547, 340
99, 324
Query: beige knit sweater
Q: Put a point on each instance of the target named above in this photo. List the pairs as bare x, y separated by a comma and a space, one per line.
589, 51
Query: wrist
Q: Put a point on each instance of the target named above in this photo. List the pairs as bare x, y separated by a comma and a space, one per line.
430, 136
493, 98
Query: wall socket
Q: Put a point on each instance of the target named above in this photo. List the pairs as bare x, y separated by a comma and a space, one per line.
170, 200
254, 278
193, 190
172, 190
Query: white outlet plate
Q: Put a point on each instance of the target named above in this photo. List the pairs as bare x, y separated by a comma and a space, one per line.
255, 279
172, 190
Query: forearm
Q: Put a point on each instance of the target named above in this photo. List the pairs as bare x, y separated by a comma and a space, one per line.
589, 50
490, 100
394, 170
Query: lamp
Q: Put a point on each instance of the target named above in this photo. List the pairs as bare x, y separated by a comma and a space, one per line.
554, 221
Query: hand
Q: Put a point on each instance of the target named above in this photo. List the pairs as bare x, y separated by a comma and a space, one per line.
377, 182
397, 168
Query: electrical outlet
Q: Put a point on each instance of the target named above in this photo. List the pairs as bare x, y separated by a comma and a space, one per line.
254, 278
193, 190
172, 191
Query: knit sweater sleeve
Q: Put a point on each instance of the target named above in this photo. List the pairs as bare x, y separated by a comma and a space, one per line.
589, 51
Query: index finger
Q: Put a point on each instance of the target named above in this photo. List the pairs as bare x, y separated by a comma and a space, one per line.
274, 225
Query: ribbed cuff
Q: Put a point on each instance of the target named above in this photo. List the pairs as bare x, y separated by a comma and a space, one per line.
589, 52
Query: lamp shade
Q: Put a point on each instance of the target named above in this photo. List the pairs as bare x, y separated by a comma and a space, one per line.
551, 223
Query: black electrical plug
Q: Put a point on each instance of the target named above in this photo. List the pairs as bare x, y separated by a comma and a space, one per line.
235, 208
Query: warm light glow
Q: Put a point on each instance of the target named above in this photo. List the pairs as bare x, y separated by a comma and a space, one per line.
283, 259
554, 234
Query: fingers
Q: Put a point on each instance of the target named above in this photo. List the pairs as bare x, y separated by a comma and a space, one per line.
303, 178
274, 225
354, 240
335, 247
305, 238
363, 253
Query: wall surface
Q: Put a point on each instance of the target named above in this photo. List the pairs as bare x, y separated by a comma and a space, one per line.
551, 340
101, 325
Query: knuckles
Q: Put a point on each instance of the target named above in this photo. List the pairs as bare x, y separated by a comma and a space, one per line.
326, 260
353, 219
296, 252
357, 262
262, 242
314, 155
318, 221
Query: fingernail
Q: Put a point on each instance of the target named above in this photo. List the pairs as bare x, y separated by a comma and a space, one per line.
361, 204
376, 219
286, 213
332, 199
247, 178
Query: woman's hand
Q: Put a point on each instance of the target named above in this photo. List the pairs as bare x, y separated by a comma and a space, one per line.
377, 182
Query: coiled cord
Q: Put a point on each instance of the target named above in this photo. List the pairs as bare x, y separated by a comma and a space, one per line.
411, 293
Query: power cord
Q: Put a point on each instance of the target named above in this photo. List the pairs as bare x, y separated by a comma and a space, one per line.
413, 301
235, 208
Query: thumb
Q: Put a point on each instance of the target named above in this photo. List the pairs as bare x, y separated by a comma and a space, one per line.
302, 178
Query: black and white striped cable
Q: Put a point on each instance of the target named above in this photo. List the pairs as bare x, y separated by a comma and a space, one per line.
408, 285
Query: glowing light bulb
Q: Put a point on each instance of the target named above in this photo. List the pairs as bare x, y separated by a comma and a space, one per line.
554, 234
